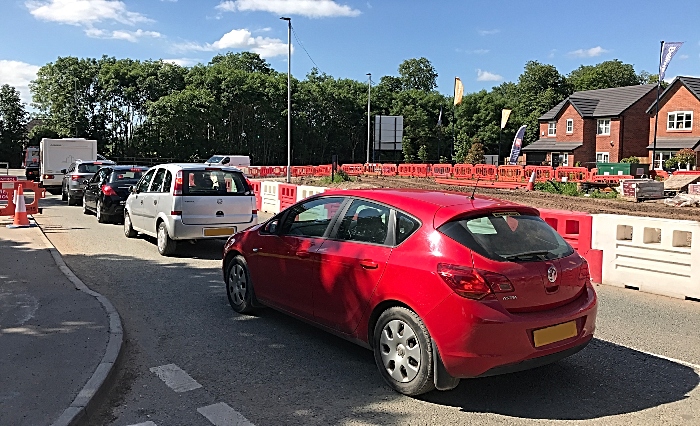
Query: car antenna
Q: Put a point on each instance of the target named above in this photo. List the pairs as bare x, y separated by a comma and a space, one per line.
475, 185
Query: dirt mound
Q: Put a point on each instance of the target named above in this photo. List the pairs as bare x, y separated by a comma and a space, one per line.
545, 200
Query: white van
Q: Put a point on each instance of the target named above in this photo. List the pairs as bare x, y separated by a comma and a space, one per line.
189, 202
229, 160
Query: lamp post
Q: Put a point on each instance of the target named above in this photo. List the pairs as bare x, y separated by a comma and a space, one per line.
369, 97
289, 98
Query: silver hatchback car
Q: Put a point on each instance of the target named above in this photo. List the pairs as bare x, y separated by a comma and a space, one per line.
175, 202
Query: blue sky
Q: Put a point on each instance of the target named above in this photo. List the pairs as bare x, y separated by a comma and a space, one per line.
483, 42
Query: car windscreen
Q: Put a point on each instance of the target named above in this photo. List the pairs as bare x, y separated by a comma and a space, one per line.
508, 237
214, 182
215, 159
128, 174
88, 168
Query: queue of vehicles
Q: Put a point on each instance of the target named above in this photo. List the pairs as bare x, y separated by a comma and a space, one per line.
440, 286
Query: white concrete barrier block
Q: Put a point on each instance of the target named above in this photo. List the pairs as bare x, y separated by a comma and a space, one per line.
660, 256
304, 191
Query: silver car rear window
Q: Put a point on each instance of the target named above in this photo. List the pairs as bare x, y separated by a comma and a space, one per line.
214, 182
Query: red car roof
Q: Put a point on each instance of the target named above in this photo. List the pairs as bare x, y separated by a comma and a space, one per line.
435, 206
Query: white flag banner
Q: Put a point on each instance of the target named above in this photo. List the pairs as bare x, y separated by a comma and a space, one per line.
667, 53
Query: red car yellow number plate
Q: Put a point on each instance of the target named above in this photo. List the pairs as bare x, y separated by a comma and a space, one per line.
556, 333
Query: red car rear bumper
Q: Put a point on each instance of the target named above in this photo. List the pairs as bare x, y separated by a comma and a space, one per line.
482, 339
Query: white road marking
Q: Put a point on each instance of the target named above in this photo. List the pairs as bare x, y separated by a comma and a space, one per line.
176, 378
695, 367
148, 423
220, 414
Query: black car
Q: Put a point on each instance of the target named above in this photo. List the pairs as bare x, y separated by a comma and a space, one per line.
107, 191
31, 172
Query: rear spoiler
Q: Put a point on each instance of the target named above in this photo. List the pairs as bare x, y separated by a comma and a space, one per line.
450, 213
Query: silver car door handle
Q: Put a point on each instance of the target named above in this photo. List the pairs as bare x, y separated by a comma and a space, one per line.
255, 250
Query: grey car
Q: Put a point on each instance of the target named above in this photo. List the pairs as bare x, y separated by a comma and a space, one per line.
72, 187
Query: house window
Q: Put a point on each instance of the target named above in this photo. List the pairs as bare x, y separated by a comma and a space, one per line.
603, 126
570, 125
680, 120
560, 159
602, 157
552, 128
662, 156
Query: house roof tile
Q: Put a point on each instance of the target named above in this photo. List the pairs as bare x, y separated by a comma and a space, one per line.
610, 102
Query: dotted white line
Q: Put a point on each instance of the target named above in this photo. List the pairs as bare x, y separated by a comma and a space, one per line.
176, 378
148, 423
220, 414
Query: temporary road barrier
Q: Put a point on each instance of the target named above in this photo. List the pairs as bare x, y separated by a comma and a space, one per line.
304, 191
323, 170
298, 171
420, 170
389, 170
572, 174
405, 170
485, 172
610, 179
352, 169
270, 202
510, 173
482, 183
287, 194
257, 190
441, 170
372, 169
9, 188
694, 189
651, 254
542, 173
463, 171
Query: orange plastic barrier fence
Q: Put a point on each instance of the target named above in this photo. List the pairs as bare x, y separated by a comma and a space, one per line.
405, 170
420, 170
287, 194
572, 174
610, 179
389, 169
510, 173
542, 173
254, 171
463, 171
298, 171
352, 169
485, 172
441, 170
372, 169
323, 170
10, 188
257, 190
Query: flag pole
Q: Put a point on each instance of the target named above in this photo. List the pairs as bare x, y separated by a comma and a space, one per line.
454, 118
656, 121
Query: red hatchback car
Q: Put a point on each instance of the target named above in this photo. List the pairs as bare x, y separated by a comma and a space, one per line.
440, 285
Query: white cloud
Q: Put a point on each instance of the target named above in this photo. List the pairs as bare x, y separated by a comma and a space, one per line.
487, 76
308, 8
18, 74
83, 12
183, 62
683, 56
240, 39
588, 53
488, 32
132, 36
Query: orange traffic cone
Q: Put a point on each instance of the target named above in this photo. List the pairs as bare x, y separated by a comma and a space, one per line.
531, 183
20, 220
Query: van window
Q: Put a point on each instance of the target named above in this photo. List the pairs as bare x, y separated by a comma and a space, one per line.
214, 183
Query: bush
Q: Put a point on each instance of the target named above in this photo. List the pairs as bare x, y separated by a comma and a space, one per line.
339, 177
476, 154
630, 160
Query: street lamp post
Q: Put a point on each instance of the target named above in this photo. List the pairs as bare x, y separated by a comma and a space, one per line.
369, 98
289, 98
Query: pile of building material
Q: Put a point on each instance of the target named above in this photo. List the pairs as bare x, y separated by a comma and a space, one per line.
679, 182
683, 200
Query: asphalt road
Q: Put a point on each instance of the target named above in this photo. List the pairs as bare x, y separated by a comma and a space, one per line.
642, 369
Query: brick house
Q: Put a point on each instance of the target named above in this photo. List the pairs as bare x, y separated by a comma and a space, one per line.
676, 128
604, 125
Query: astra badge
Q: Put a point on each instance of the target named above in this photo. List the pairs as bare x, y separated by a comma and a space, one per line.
552, 274
219, 201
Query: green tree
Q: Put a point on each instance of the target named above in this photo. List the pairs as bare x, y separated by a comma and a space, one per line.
13, 125
418, 74
423, 154
40, 132
602, 76
476, 153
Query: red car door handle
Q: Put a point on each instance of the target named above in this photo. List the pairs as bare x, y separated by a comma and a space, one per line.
368, 264
303, 254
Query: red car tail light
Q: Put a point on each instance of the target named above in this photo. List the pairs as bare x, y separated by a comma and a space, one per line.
177, 189
48, 177
471, 283
74, 177
108, 190
584, 273
176, 213
255, 211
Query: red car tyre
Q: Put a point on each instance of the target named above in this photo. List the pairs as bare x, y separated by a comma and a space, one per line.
403, 351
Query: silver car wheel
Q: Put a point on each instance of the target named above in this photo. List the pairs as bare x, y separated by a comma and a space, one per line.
238, 284
400, 351
98, 211
162, 237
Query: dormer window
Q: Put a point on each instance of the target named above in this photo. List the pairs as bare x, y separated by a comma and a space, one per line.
680, 120
552, 128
